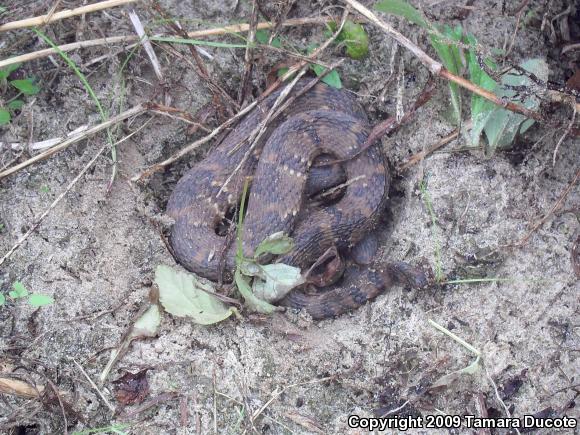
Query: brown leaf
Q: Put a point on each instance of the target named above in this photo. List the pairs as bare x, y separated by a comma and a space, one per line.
132, 389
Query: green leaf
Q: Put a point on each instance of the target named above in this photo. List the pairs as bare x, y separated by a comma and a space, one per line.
277, 243
282, 71
26, 86
5, 72
15, 104
39, 300
451, 58
331, 79
503, 125
263, 36
276, 281
481, 108
182, 295
253, 302
355, 39
2, 299
403, 9
18, 290
4, 116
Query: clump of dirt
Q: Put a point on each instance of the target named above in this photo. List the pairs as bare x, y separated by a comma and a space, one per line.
96, 251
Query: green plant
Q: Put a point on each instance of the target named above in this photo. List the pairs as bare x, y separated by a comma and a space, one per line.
452, 45
104, 115
25, 86
19, 291
353, 37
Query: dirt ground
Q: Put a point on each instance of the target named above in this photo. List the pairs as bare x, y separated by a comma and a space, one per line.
96, 252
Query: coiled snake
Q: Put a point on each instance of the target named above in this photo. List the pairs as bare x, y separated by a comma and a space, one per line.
323, 120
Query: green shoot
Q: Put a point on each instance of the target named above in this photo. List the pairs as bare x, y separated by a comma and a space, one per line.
26, 87
19, 291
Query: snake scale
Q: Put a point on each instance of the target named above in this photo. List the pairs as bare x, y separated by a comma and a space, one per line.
322, 121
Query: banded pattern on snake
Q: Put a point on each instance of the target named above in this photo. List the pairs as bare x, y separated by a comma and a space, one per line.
322, 121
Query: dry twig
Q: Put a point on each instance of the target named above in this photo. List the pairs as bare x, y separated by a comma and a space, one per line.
56, 16
236, 28
248, 57
137, 110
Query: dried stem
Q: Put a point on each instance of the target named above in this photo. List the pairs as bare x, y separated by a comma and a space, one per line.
236, 28
56, 16
102, 126
248, 57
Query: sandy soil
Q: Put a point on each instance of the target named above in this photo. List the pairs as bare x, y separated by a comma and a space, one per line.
96, 252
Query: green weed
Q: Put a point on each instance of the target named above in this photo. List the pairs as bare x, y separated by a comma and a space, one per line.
452, 45
19, 291
18, 87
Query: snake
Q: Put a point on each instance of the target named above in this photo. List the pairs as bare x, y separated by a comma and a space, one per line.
320, 121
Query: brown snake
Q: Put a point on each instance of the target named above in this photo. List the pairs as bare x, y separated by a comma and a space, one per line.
322, 121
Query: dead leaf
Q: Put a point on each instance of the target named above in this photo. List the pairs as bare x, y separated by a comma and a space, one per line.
132, 388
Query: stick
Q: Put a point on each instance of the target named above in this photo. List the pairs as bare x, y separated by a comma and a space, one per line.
111, 407
49, 18
138, 109
236, 28
248, 57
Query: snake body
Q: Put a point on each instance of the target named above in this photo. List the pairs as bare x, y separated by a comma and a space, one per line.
322, 121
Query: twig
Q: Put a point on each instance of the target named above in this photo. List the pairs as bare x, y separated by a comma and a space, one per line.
556, 206
138, 109
438, 69
48, 143
520, 11
146, 44
248, 57
19, 388
566, 133
176, 113
160, 398
391, 124
236, 28
58, 199
57, 394
111, 407
51, 17
413, 160
397, 409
